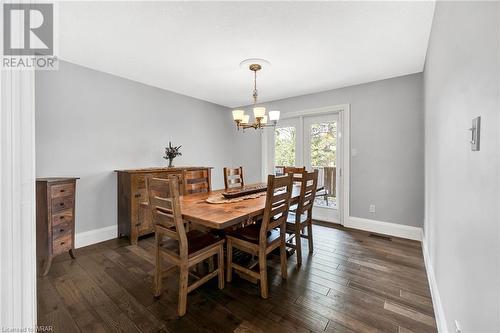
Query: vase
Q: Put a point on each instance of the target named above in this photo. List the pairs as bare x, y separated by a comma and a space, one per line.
170, 160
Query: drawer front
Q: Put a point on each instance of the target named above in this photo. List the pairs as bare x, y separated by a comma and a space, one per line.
62, 217
61, 190
62, 203
62, 229
140, 180
62, 244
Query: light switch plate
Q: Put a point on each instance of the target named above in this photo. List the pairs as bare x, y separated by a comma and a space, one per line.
475, 134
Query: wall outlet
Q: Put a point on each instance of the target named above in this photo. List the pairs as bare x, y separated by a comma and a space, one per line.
458, 327
372, 208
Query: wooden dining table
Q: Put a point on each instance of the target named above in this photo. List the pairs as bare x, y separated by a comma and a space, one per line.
196, 209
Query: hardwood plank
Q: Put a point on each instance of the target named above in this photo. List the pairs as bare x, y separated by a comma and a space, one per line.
96, 265
351, 283
410, 313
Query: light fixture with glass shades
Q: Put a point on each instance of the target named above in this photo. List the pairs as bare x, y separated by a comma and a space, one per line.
261, 118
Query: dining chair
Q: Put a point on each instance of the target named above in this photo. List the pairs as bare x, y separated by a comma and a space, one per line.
296, 172
172, 242
284, 170
261, 239
302, 217
196, 181
233, 177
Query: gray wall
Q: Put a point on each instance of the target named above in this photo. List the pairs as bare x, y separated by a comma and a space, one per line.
89, 123
387, 130
461, 81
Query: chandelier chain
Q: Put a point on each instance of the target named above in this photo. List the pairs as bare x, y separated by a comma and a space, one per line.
255, 94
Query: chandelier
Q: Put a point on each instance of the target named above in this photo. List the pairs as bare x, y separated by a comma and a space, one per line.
261, 119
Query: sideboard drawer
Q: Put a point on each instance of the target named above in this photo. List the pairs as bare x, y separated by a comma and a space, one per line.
141, 178
62, 244
62, 203
61, 190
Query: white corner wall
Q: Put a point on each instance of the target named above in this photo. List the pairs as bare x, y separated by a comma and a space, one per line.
462, 196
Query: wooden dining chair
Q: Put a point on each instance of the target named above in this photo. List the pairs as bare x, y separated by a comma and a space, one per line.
172, 242
294, 170
233, 178
261, 239
302, 217
196, 181
284, 170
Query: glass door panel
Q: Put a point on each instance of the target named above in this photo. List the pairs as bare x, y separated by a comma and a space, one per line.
285, 139
321, 153
286, 142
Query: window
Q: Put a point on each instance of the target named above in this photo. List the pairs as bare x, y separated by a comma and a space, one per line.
284, 153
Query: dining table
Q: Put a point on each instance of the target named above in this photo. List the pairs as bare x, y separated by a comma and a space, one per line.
196, 209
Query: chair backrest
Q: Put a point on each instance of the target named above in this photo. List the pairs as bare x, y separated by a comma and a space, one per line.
196, 181
233, 177
163, 199
279, 192
295, 171
308, 187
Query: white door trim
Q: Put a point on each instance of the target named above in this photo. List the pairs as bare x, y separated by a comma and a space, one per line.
345, 114
17, 200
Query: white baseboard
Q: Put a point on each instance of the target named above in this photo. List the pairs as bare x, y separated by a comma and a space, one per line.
436, 299
95, 236
385, 228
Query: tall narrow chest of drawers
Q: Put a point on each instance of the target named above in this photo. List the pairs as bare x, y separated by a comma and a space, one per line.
55, 219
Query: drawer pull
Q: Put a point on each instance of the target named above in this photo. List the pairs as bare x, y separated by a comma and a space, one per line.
62, 243
61, 204
61, 218
138, 195
61, 230
62, 191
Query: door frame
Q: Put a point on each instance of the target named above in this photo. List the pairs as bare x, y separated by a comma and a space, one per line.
343, 111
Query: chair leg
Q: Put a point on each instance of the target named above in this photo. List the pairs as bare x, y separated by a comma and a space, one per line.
263, 274
220, 256
158, 275
310, 236
298, 245
211, 264
183, 289
229, 254
283, 260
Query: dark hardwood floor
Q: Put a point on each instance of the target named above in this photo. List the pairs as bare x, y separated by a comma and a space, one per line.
354, 282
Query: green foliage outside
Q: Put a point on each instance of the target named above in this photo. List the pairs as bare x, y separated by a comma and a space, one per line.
323, 144
285, 146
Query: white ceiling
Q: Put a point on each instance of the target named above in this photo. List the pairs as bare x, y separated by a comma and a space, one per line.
194, 48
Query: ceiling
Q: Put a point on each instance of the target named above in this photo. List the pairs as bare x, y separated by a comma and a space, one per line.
194, 48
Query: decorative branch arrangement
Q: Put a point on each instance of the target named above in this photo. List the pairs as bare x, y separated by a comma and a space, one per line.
171, 153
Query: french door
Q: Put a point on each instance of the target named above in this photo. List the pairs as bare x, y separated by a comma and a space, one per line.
314, 142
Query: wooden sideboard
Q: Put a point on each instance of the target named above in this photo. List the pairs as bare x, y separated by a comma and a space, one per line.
55, 219
134, 218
